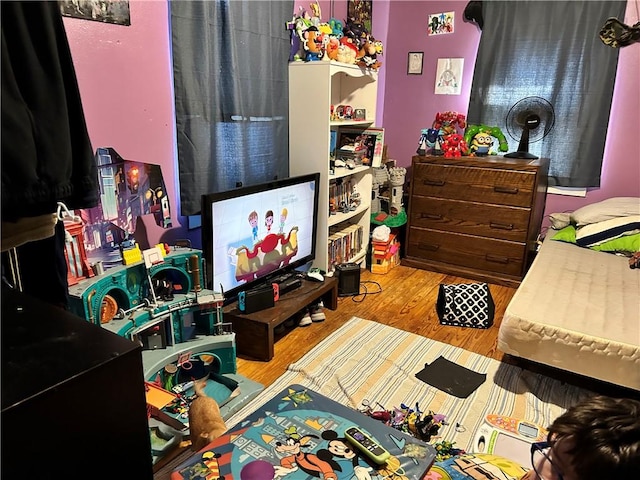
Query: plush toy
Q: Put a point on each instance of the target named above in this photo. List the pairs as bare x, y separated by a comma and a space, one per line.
336, 27
367, 56
480, 136
356, 31
331, 44
347, 51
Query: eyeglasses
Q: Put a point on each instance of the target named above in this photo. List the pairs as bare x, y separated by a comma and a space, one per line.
541, 462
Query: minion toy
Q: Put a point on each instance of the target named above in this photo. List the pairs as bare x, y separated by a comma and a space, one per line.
480, 140
481, 144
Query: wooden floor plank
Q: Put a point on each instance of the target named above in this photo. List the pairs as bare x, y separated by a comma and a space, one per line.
406, 301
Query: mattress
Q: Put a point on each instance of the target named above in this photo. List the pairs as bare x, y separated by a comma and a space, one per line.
578, 310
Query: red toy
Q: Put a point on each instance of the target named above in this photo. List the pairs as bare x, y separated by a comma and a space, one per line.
454, 145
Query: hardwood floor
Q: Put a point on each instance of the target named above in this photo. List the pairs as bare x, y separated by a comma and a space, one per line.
404, 298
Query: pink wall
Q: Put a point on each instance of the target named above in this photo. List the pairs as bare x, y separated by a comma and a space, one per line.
411, 105
125, 79
125, 82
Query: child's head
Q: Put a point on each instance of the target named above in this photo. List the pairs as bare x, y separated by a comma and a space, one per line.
597, 438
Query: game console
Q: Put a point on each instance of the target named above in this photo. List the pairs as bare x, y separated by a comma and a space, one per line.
508, 437
254, 300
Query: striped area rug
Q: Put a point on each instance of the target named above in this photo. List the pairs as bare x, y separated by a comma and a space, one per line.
368, 360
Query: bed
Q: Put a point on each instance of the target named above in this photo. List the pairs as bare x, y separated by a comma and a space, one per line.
578, 310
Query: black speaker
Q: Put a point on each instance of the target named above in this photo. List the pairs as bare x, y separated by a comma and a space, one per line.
348, 279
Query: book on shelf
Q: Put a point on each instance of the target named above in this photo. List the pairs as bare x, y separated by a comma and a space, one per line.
344, 243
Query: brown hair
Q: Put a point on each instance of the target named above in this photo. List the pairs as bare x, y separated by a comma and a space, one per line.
605, 437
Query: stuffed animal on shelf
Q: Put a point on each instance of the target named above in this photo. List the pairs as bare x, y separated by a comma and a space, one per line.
367, 56
356, 31
347, 51
313, 44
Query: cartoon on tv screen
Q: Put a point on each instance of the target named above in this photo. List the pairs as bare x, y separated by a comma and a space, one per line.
257, 234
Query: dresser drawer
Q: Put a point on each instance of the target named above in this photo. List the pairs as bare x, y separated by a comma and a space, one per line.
492, 221
490, 185
489, 255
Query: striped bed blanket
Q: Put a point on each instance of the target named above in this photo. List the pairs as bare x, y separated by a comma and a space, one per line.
365, 360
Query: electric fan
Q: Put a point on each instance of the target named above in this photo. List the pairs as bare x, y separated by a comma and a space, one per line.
533, 119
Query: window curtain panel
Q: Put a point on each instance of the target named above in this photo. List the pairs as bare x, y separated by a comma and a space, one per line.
230, 65
550, 50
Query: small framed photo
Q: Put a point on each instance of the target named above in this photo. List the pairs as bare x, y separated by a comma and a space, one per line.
360, 114
414, 63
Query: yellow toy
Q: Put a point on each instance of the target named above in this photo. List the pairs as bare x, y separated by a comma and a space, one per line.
479, 138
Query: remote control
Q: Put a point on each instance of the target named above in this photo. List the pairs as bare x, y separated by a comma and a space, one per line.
374, 451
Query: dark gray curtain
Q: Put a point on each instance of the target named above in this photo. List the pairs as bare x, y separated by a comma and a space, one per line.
230, 62
550, 50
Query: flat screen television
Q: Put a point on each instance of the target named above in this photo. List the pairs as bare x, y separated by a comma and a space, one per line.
253, 234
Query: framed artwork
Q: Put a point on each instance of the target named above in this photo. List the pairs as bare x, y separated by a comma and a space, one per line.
360, 12
449, 76
370, 139
107, 11
414, 63
441, 23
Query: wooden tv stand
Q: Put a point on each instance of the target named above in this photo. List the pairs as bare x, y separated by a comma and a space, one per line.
254, 331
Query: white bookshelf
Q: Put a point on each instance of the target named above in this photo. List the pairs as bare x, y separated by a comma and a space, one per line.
313, 88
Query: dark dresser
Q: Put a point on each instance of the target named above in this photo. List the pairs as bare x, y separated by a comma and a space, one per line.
73, 397
475, 217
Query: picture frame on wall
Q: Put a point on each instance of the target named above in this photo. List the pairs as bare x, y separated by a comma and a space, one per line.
106, 11
414, 63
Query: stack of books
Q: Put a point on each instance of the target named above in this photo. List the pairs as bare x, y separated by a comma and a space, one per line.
385, 255
345, 244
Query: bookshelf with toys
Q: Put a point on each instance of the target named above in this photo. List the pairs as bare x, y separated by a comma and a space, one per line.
339, 103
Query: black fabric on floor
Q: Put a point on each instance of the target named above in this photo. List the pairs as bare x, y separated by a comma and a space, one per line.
451, 378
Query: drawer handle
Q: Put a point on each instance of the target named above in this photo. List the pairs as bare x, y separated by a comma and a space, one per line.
496, 259
431, 216
509, 190
429, 247
434, 183
501, 226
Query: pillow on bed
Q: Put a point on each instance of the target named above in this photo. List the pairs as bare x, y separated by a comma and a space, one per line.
566, 234
606, 210
600, 232
626, 243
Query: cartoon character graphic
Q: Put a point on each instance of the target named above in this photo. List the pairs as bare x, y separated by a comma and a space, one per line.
283, 219
296, 459
340, 451
253, 221
477, 466
481, 144
268, 220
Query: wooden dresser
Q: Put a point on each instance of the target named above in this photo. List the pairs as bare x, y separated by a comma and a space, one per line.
475, 217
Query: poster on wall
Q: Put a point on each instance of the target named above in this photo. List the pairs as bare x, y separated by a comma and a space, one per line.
449, 76
360, 12
441, 23
106, 11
